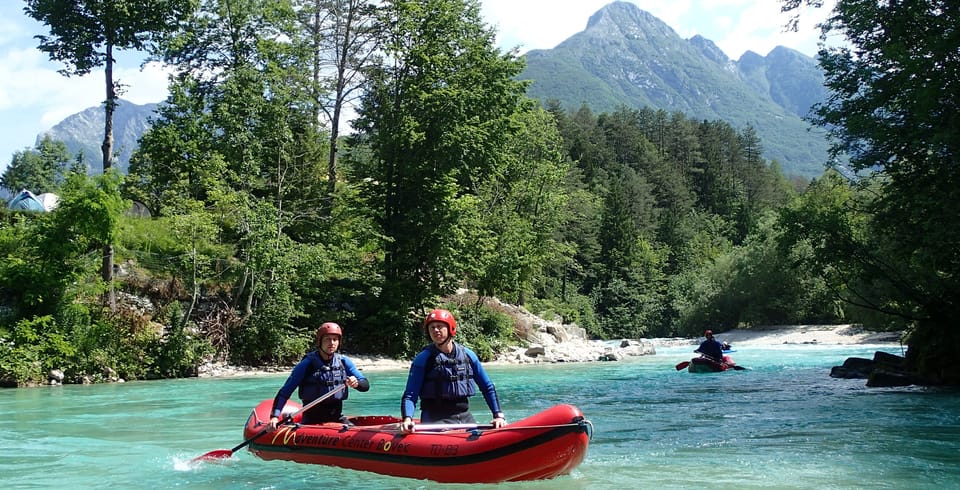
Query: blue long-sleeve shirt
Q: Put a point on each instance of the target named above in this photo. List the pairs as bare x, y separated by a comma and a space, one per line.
300, 372
711, 348
418, 371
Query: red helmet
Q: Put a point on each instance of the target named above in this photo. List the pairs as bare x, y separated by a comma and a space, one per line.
439, 315
329, 328
708, 333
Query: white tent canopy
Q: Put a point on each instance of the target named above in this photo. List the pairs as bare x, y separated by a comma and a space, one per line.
49, 200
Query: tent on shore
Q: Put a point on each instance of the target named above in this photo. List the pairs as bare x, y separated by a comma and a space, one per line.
49, 200
26, 201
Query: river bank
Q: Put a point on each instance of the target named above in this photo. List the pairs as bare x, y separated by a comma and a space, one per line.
549, 346
782, 424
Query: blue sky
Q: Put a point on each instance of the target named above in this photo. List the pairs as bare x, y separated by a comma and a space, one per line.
34, 96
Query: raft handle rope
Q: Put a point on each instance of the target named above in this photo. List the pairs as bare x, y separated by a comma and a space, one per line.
585, 424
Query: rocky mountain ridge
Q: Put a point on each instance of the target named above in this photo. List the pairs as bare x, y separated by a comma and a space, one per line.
83, 133
624, 57
628, 57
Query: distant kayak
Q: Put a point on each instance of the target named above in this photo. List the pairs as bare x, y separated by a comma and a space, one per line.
704, 364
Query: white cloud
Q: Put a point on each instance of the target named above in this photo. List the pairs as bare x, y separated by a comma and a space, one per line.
673, 13
537, 24
759, 27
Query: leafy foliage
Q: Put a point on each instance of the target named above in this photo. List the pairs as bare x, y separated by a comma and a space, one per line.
30, 349
51, 283
893, 110
435, 121
630, 223
39, 170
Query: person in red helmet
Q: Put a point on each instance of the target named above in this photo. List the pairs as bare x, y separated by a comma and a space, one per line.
711, 347
321, 371
443, 376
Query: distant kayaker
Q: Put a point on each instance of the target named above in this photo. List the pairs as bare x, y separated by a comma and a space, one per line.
711, 347
320, 372
443, 376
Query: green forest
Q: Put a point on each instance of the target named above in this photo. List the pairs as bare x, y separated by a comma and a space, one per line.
268, 219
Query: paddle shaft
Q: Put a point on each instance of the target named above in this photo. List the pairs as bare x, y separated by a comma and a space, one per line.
289, 417
732, 366
286, 419
250, 439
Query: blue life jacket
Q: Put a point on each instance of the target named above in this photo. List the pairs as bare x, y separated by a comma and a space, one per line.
321, 378
448, 378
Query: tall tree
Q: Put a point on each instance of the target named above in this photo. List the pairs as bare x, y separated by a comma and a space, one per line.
343, 36
894, 109
41, 169
84, 35
522, 209
435, 118
232, 136
177, 158
587, 145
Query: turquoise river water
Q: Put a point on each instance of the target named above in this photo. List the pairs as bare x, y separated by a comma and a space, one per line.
784, 423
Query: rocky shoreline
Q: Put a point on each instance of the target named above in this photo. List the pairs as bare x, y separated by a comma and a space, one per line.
550, 343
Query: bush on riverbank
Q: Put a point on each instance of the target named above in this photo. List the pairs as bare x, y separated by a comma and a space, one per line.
95, 348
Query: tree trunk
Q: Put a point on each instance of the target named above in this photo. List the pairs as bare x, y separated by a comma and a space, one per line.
107, 148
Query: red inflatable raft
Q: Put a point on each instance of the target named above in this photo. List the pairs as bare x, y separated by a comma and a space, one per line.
704, 364
545, 445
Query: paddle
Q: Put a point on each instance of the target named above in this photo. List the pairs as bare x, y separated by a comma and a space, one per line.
683, 365
734, 366
226, 453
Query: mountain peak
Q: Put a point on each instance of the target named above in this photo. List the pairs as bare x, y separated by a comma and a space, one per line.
710, 50
619, 12
628, 57
629, 20
83, 132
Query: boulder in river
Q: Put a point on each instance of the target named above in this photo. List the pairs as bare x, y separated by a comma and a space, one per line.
884, 370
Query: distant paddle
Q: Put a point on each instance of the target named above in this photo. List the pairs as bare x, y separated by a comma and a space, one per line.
226, 453
729, 365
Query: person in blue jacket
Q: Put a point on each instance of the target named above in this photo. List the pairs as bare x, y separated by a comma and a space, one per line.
444, 376
711, 347
321, 371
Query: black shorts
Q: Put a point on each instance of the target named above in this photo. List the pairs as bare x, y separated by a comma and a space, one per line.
446, 412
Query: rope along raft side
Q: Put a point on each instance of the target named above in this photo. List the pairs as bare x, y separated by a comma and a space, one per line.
545, 445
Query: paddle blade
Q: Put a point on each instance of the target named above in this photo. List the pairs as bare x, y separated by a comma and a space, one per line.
214, 455
683, 365
738, 368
